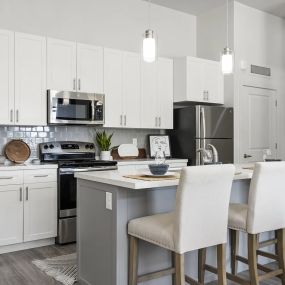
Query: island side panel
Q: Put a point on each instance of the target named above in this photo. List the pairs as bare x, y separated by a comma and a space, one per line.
95, 235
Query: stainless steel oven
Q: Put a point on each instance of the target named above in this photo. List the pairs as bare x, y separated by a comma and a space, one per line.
76, 108
71, 157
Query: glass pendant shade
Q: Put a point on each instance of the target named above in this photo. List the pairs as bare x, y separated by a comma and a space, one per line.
149, 46
227, 61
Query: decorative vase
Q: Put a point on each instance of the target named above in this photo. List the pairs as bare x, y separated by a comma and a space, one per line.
105, 155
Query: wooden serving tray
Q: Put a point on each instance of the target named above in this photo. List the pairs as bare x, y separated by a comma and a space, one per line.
116, 156
152, 178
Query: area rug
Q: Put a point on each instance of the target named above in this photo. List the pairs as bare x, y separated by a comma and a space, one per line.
62, 268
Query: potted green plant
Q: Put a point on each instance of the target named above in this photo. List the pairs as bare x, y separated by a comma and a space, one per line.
104, 141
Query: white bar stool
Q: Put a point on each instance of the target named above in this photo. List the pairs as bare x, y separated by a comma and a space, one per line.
265, 212
199, 221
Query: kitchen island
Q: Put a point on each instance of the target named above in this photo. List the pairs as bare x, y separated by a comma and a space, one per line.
107, 201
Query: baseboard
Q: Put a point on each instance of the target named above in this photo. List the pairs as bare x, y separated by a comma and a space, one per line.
26, 245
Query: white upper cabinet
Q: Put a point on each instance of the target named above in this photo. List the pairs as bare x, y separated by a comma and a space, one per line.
198, 80
30, 79
6, 77
73, 66
122, 89
157, 94
113, 88
131, 90
61, 65
89, 68
165, 93
149, 95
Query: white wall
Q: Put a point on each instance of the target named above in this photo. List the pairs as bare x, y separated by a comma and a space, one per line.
111, 23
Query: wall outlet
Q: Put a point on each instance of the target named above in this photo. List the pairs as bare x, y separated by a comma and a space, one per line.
135, 141
109, 203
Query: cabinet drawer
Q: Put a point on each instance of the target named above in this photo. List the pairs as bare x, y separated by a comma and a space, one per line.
40, 176
11, 177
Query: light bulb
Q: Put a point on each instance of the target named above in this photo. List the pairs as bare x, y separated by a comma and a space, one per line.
149, 46
227, 61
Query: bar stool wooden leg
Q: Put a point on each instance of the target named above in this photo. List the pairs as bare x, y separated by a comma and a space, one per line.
179, 269
234, 244
201, 265
133, 272
221, 262
252, 259
281, 253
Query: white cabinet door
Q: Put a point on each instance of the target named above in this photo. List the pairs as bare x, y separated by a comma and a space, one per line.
214, 82
61, 65
40, 211
30, 80
165, 92
89, 68
131, 90
257, 123
6, 77
11, 214
113, 87
149, 95
195, 80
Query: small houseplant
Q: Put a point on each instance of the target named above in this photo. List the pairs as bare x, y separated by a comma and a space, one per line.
104, 141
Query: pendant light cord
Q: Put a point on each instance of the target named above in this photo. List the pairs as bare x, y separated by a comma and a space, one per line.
227, 23
149, 13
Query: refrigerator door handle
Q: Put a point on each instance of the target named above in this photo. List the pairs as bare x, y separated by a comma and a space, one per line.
203, 128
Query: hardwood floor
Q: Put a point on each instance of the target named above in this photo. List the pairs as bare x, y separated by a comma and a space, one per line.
16, 268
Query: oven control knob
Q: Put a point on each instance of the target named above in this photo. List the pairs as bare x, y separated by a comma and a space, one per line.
91, 146
51, 146
87, 146
45, 146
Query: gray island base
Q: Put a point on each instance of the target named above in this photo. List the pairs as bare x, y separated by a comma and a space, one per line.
102, 228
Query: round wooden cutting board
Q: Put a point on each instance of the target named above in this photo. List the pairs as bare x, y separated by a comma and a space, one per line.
17, 151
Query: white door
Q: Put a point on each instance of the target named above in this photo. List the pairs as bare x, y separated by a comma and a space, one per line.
11, 214
195, 80
61, 65
131, 90
89, 68
149, 108
40, 211
214, 82
113, 87
165, 92
6, 77
257, 119
30, 80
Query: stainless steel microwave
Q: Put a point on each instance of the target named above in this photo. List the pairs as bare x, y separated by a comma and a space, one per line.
75, 108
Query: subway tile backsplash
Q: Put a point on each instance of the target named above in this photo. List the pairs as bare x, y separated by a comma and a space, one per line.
35, 135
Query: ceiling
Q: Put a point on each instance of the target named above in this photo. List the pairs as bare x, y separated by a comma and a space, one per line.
196, 7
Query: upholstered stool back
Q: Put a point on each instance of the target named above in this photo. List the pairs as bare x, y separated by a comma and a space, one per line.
266, 204
202, 203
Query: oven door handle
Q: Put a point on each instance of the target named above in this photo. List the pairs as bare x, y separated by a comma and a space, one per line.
74, 170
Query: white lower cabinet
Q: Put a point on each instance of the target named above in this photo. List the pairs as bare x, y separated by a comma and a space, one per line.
28, 211
11, 214
40, 210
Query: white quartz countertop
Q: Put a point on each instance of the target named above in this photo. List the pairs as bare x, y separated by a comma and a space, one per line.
148, 160
116, 178
27, 166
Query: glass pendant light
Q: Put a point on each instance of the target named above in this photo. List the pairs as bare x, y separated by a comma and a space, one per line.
227, 57
149, 42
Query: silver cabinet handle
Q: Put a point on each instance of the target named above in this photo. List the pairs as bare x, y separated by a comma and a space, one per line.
125, 120
79, 84
17, 116
27, 193
44, 175
21, 194
247, 156
155, 121
74, 84
6, 177
121, 120
160, 121
207, 95
11, 116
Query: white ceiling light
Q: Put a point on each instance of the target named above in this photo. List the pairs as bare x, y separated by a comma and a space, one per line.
227, 57
149, 42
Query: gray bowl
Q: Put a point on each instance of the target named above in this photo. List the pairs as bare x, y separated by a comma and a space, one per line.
158, 169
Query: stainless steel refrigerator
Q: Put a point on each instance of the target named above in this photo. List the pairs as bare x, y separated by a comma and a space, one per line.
197, 126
